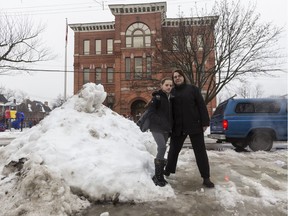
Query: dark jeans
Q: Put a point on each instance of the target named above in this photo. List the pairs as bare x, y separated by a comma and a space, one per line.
161, 140
199, 149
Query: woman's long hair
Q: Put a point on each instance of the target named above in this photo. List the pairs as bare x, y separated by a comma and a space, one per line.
181, 73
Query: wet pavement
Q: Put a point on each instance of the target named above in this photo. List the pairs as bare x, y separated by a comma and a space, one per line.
192, 198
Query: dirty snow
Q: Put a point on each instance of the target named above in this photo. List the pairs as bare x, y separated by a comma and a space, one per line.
84, 152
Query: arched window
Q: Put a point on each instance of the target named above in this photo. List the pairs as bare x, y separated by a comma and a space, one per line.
138, 35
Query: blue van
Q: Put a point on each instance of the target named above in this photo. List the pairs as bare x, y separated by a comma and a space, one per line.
253, 122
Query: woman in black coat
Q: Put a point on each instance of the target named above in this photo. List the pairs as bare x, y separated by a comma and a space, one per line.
161, 126
191, 119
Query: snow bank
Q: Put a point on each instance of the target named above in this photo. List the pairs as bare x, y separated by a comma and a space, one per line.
82, 147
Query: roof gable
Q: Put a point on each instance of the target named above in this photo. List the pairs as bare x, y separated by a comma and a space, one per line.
3, 100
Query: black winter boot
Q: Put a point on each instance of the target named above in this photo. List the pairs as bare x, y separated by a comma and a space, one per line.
158, 178
165, 162
166, 173
207, 182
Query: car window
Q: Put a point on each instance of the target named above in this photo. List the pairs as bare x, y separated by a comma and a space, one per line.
258, 107
245, 108
220, 109
267, 107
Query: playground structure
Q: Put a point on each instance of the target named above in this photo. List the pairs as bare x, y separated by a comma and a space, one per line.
14, 119
10, 118
18, 122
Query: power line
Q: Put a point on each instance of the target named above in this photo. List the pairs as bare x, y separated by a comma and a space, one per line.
43, 6
34, 70
57, 9
54, 8
93, 70
52, 12
50, 9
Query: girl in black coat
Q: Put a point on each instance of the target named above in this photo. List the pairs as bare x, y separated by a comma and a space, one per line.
161, 126
190, 118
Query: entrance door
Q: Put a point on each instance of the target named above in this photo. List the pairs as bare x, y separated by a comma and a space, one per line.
137, 108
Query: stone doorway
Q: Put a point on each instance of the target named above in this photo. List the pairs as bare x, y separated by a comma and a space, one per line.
137, 108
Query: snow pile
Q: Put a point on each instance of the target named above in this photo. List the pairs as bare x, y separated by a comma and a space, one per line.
81, 148
38, 191
90, 98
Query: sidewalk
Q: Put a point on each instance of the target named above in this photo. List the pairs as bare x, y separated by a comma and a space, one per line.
239, 190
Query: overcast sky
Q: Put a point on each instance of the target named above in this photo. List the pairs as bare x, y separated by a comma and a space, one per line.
46, 86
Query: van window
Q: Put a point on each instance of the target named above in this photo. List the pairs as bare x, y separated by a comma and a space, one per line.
267, 107
258, 107
245, 108
220, 109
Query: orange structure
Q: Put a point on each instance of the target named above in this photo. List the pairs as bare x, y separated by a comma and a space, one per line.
121, 55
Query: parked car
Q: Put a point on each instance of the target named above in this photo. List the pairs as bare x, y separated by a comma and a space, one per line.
253, 122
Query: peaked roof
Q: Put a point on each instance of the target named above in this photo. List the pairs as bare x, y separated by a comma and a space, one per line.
3, 100
33, 106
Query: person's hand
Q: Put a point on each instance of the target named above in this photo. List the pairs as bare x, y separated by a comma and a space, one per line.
205, 128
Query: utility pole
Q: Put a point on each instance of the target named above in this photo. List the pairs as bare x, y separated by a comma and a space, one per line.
65, 65
100, 3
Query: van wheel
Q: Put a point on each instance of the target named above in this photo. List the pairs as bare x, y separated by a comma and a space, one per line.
239, 144
261, 141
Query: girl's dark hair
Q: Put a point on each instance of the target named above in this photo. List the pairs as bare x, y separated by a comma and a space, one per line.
164, 79
181, 73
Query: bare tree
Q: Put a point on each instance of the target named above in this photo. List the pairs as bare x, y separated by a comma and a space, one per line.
10, 94
214, 50
20, 43
21, 96
242, 88
2, 90
59, 101
246, 90
258, 91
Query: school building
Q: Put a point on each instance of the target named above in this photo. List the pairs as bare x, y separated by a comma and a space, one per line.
122, 54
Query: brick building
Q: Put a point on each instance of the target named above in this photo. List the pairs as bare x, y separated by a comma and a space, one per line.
121, 55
